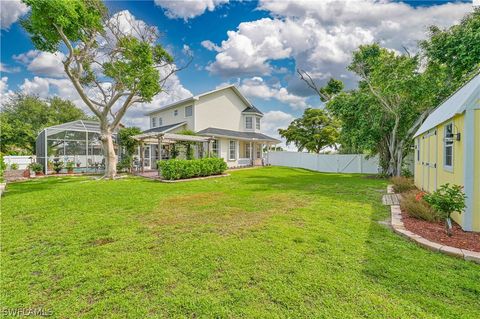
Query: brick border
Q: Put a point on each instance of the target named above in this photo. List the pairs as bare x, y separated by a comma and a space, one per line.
399, 228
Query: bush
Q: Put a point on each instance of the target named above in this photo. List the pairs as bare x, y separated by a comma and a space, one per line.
14, 166
36, 167
125, 164
180, 169
446, 200
402, 184
57, 165
414, 204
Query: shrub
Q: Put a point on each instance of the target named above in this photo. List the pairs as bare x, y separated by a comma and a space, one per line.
70, 166
417, 207
125, 164
36, 167
180, 169
446, 200
402, 184
14, 166
57, 165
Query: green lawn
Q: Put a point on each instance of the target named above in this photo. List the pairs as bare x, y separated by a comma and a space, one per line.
264, 243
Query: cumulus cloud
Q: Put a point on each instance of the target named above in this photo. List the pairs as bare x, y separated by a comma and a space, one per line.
188, 9
10, 12
5, 93
273, 120
256, 87
43, 63
320, 35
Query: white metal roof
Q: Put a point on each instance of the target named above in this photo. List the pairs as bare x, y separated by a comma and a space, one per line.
152, 138
196, 97
465, 97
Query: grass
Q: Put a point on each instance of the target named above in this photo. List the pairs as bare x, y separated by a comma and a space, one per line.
262, 243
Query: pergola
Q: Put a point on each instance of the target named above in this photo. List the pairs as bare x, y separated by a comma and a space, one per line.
159, 139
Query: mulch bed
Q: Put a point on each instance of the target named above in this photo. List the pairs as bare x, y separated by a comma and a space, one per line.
436, 233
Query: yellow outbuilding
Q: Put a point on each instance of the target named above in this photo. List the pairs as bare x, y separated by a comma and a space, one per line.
447, 150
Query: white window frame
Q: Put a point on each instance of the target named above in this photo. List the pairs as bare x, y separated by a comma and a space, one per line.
230, 149
251, 122
190, 108
154, 122
160, 121
257, 123
216, 148
175, 112
448, 142
248, 150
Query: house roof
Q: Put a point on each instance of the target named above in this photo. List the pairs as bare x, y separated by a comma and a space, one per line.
196, 97
457, 103
165, 128
212, 131
252, 109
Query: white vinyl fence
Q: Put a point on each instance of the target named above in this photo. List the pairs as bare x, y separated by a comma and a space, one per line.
334, 163
21, 161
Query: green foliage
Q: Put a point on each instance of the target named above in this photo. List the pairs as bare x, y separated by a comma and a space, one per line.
332, 88
24, 116
417, 207
402, 184
79, 20
14, 166
70, 166
454, 52
57, 165
189, 152
36, 167
125, 164
3, 166
315, 130
126, 140
180, 169
447, 199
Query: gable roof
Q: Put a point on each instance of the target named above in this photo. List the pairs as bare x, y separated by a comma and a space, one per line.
196, 97
213, 131
165, 128
252, 109
457, 103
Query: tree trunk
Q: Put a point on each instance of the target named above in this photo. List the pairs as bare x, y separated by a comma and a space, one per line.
108, 152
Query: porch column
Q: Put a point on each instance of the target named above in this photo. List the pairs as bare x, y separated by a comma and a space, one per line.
251, 152
159, 140
142, 157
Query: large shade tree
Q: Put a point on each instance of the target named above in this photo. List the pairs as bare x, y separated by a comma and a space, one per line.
314, 131
23, 117
112, 61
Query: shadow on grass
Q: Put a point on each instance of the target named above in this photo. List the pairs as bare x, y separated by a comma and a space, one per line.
41, 184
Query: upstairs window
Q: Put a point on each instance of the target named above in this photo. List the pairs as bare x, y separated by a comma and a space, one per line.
175, 112
248, 122
257, 123
154, 122
160, 121
448, 146
188, 111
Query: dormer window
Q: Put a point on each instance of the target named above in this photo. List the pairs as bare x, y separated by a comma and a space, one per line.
257, 123
248, 122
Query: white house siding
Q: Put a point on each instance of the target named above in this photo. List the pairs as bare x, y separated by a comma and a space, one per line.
169, 118
221, 109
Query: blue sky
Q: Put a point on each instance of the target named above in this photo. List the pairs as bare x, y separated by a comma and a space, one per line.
255, 45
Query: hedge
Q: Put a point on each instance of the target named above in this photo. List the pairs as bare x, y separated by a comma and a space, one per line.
180, 169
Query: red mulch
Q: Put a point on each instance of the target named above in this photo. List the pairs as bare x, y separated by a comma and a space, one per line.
435, 231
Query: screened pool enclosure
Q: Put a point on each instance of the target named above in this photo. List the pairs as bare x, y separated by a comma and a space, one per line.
77, 142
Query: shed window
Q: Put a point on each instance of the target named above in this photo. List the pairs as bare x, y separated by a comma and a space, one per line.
232, 150
448, 146
248, 122
418, 150
188, 111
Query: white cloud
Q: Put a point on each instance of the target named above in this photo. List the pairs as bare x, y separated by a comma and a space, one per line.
320, 35
37, 86
273, 120
43, 63
188, 9
6, 69
5, 93
209, 45
256, 87
11, 11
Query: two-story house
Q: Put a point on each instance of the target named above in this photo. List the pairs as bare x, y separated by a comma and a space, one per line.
224, 115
